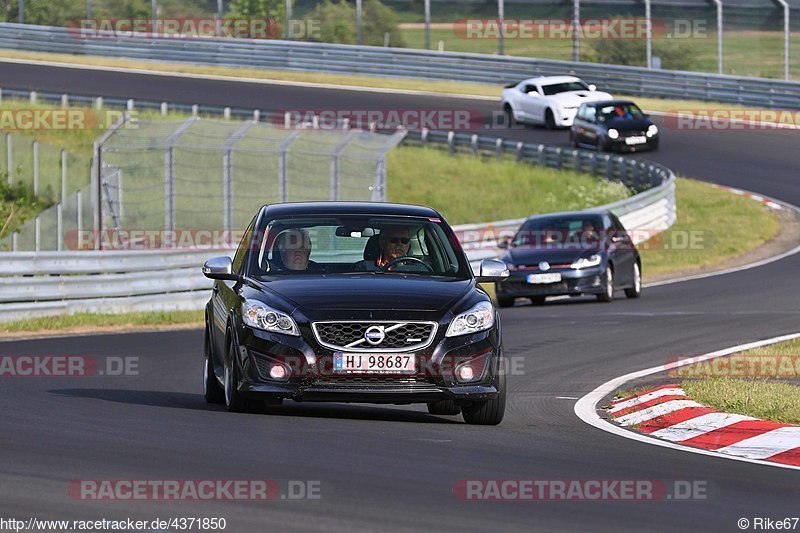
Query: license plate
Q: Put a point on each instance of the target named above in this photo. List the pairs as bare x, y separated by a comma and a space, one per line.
374, 363
635, 140
551, 277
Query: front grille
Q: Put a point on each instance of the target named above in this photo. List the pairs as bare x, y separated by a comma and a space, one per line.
371, 382
534, 289
397, 336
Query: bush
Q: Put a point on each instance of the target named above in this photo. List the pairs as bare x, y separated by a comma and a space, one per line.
337, 23
674, 56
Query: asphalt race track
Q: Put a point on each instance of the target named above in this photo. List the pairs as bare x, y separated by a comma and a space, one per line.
395, 467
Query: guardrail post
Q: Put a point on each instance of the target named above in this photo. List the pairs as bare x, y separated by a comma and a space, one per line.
423, 136
576, 164
59, 226
9, 158
129, 105
541, 158
14, 241
79, 222
36, 168
226, 113
520, 150
593, 163
559, 158
474, 143
163, 108
34, 97
498, 148
623, 170
451, 140
609, 168
195, 110
64, 100
37, 225
98, 103
256, 115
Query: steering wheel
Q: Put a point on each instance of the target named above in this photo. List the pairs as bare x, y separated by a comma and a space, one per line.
405, 258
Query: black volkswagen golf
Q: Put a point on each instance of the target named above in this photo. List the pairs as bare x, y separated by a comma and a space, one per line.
572, 253
613, 125
354, 302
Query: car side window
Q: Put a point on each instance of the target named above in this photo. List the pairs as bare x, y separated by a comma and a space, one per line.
590, 114
530, 89
241, 251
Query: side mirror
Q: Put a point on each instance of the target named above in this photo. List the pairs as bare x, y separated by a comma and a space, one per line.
505, 243
220, 268
592, 87
492, 270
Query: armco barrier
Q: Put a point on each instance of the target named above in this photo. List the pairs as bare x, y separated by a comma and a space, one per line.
47, 283
405, 63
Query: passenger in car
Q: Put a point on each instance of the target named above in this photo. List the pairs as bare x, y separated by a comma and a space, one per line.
293, 248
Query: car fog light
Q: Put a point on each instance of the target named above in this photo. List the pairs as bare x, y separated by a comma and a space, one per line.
465, 373
596, 281
277, 372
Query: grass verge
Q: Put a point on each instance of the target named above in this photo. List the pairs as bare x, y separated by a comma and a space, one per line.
768, 400
444, 87
92, 321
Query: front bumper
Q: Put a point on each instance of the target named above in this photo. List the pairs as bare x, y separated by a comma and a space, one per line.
312, 377
573, 282
619, 145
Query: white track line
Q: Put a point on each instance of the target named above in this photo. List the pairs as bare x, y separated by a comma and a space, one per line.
767, 444
697, 426
646, 398
637, 417
586, 407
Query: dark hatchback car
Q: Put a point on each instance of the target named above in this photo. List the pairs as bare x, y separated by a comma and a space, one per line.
577, 253
346, 327
613, 125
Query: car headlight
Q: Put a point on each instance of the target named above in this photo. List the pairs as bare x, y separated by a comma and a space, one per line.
258, 315
479, 318
586, 262
613, 134
652, 131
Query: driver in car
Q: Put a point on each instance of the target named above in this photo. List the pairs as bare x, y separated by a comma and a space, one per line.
395, 242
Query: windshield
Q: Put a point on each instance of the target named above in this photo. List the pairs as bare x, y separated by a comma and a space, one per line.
560, 232
567, 86
347, 245
628, 111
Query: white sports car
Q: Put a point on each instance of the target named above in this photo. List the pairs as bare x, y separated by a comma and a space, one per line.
548, 100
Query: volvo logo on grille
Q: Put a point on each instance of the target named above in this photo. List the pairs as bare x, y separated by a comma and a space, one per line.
544, 265
374, 335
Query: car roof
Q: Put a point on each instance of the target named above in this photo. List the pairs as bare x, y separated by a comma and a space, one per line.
609, 102
551, 79
591, 212
349, 208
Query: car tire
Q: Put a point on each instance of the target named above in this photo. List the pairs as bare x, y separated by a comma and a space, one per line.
489, 412
511, 122
549, 119
234, 401
505, 301
212, 390
608, 286
636, 290
444, 407
537, 300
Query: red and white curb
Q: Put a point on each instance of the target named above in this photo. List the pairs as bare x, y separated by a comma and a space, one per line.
769, 202
667, 413
680, 437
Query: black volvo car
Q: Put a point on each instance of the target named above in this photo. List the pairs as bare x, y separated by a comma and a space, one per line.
310, 310
617, 125
572, 253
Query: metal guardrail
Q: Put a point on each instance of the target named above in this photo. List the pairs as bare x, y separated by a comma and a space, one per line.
405, 63
47, 283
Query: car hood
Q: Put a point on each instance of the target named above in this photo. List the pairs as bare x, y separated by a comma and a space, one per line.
623, 125
531, 256
369, 291
576, 98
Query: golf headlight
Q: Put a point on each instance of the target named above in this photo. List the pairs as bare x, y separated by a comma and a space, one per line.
479, 318
258, 315
586, 262
652, 131
613, 134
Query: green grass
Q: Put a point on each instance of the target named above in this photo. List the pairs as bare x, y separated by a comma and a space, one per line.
770, 400
468, 189
96, 320
713, 226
